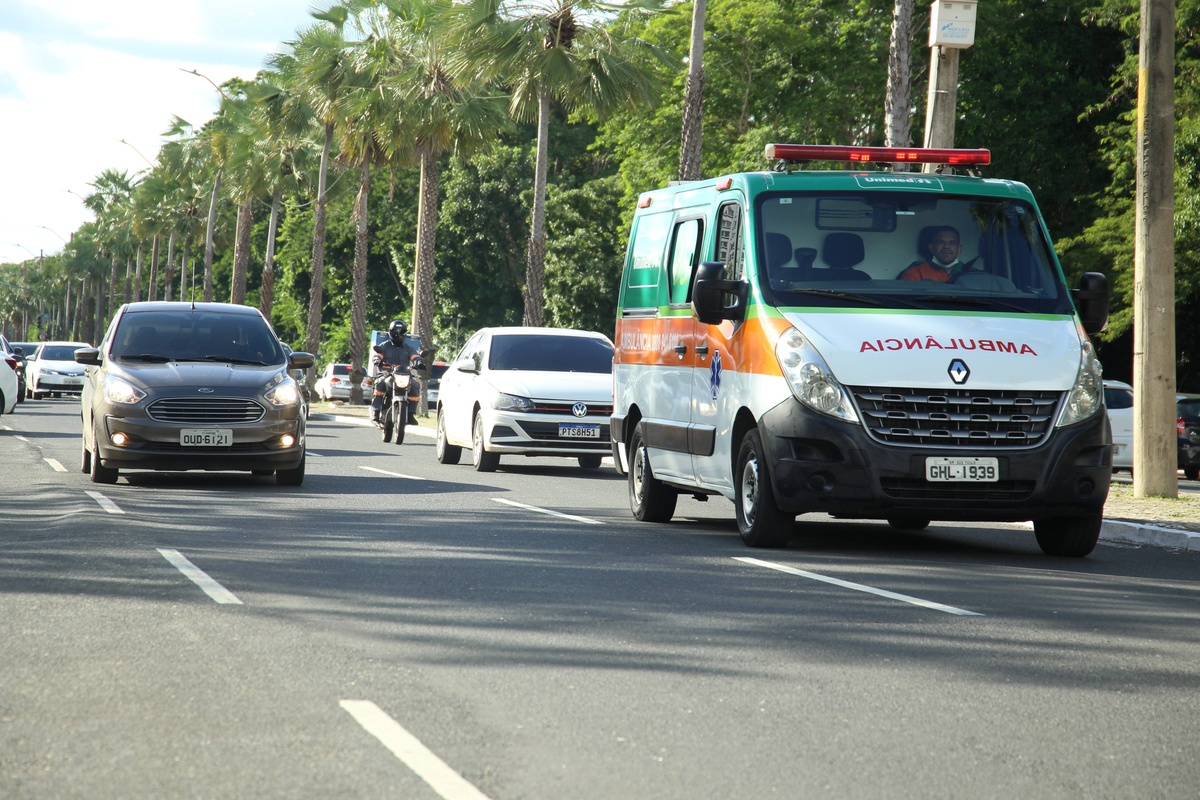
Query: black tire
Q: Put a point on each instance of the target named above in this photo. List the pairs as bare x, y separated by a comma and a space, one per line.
446, 453
262, 473
481, 459
650, 499
1072, 537
99, 472
759, 519
1192, 473
85, 461
398, 414
908, 523
291, 477
388, 424
591, 462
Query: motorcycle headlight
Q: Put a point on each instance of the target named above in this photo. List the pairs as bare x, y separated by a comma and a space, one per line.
810, 378
1086, 398
511, 402
285, 393
117, 390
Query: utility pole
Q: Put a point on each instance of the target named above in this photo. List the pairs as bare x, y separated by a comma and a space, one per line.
1154, 436
951, 28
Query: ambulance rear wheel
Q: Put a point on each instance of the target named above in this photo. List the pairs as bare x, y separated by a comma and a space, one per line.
650, 499
760, 520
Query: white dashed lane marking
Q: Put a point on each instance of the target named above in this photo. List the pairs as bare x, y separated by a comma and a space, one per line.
197, 576
547, 511
104, 502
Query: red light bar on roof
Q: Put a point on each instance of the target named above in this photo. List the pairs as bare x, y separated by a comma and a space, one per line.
886, 155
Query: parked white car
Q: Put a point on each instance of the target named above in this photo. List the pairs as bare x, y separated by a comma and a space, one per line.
53, 371
527, 391
1118, 400
8, 382
335, 384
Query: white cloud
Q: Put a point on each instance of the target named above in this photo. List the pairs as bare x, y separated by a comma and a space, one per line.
78, 77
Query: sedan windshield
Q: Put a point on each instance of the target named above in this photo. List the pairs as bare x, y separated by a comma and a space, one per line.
906, 249
196, 336
549, 353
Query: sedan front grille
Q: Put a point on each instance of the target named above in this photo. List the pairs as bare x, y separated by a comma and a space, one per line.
957, 418
205, 410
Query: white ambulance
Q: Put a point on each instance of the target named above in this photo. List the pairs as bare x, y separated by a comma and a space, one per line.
869, 344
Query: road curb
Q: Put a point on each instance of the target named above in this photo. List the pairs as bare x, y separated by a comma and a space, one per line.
1115, 530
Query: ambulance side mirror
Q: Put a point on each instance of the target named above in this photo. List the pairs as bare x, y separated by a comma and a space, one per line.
715, 299
1091, 299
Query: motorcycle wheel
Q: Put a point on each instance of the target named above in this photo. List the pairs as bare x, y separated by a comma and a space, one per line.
388, 424
398, 415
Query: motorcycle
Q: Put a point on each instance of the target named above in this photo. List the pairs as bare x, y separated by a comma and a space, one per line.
399, 406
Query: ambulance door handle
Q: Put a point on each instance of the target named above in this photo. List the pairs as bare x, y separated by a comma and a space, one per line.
702, 351
681, 349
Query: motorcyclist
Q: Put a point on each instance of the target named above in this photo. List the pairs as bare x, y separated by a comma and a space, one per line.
396, 352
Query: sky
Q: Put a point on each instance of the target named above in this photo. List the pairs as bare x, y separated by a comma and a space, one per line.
79, 77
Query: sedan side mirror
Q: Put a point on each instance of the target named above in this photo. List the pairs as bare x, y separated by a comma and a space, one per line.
298, 359
88, 355
466, 365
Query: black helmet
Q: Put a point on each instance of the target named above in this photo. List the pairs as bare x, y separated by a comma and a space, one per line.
396, 331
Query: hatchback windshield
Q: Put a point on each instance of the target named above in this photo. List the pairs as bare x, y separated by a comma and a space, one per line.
907, 249
550, 353
196, 336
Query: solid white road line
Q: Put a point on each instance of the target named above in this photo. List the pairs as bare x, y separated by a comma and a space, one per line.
408, 748
105, 503
55, 465
858, 587
21, 438
394, 474
547, 511
197, 576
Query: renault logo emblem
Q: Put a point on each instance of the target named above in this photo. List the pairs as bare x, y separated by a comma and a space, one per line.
959, 371
579, 409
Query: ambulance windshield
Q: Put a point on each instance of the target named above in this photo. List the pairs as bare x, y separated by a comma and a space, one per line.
905, 250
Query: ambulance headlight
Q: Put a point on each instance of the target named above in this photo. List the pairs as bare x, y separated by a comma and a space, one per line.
811, 379
1086, 398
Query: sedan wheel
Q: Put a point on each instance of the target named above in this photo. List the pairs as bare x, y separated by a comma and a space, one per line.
446, 453
481, 459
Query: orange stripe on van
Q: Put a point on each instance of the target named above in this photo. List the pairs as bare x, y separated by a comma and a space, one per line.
747, 348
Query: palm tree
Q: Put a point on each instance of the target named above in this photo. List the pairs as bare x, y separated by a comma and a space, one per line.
112, 192
316, 67
691, 141
896, 101
570, 52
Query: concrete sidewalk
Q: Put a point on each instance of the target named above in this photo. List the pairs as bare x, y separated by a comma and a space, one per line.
1119, 531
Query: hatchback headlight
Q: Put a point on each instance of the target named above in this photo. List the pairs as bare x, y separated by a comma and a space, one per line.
284, 393
1086, 398
811, 379
511, 402
117, 390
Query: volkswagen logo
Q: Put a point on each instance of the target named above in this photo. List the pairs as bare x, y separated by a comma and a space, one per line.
579, 409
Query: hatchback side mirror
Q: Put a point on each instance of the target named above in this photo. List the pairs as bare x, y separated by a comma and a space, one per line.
88, 355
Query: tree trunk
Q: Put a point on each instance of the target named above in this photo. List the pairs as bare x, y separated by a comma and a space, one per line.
896, 102
691, 146
208, 239
241, 253
535, 258
152, 284
266, 299
358, 288
129, 276
425, 272
112, 290
312, 338
183, 270
169, 273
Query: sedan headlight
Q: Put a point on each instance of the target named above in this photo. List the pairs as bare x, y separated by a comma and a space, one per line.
284, 393
811, 379
117, 390
511, 402
1087, 395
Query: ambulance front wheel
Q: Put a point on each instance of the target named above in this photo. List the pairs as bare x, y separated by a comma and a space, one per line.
650, 499
760, 520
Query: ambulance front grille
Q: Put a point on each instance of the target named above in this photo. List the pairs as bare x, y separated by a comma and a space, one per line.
959, 418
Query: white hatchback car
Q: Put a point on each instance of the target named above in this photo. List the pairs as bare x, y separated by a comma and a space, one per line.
1118, 400
527, 391
53, 371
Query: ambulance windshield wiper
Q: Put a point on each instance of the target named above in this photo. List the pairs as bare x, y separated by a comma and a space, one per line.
853, 298
958, 299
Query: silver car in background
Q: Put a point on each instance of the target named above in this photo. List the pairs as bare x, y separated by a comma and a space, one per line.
182, 386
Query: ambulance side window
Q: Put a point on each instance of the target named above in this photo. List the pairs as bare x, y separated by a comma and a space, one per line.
644, 267
685, 255
729, 241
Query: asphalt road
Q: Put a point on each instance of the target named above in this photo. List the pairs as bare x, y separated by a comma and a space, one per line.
400, 628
